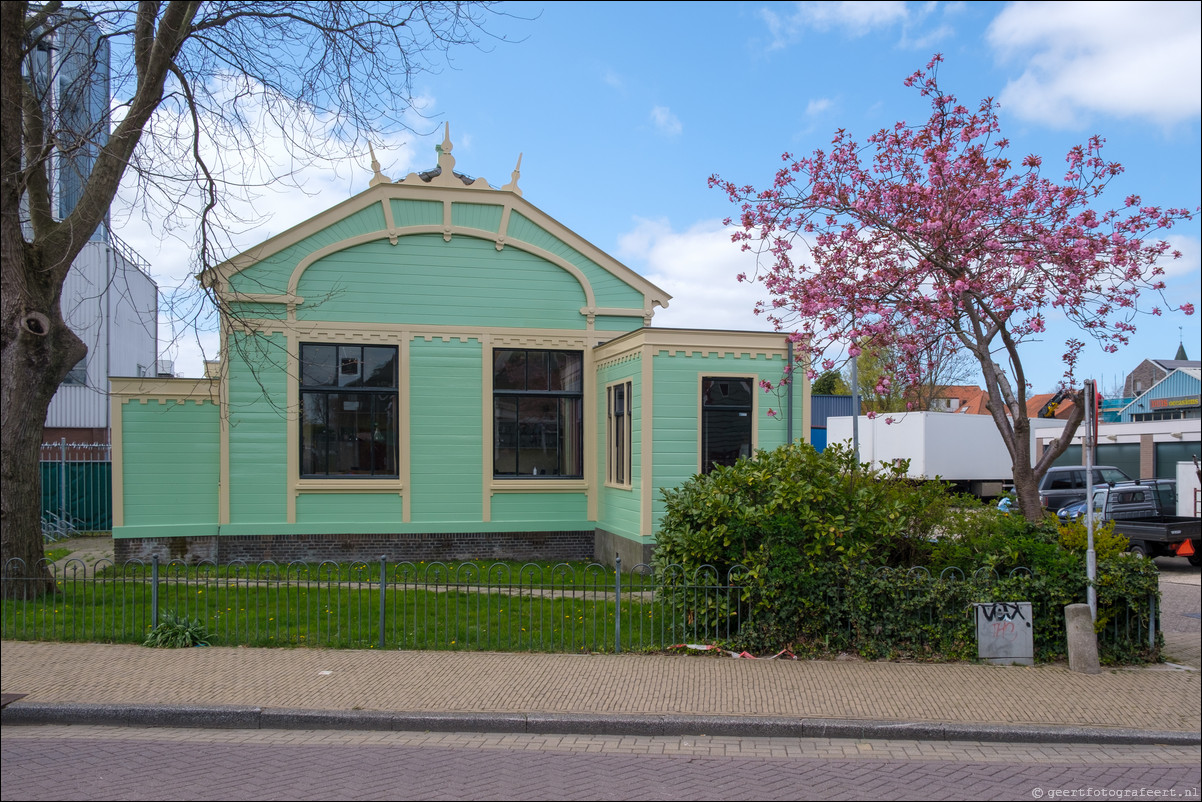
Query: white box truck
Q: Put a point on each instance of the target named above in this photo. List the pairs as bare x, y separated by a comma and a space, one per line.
966, 450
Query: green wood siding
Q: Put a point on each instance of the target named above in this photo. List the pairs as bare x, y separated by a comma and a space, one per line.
170, 468
541, 512
257, 428
271, 274
424, 279
608, 288
445, 418
347, 513
486, 217
407, 213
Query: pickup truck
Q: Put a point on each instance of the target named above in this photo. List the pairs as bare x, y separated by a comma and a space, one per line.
1138, 510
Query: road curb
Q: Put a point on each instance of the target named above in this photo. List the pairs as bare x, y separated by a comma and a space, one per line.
240, 717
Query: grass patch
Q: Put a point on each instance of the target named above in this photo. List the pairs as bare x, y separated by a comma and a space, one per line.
234, 612
54, 555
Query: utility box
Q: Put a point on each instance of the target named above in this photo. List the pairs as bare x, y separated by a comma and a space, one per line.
1004, 633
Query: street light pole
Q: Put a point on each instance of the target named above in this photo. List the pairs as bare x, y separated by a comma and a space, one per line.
1091, 557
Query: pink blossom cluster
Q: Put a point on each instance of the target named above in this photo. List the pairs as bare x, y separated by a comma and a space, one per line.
931, 233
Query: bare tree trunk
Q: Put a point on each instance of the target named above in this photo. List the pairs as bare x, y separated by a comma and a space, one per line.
1026, 482
36, 344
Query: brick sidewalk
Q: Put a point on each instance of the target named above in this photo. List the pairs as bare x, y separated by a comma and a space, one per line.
1157, 698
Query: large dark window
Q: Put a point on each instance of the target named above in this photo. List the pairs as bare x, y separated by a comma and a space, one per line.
726, 408
348, 423
538, 413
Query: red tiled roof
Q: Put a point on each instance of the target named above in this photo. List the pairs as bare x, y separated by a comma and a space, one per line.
974, 401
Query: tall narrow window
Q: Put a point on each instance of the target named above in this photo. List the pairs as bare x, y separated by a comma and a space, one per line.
618, 399
538, 413
348, 421
726, 408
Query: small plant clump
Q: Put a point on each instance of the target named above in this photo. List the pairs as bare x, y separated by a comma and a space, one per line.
1106, 543
177, 632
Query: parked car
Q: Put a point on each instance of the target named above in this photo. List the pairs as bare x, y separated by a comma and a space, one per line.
1071, 512
1065, 484
1135, 499
1143, 513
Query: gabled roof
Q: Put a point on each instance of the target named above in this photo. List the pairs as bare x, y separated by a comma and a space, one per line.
972, 399
518, 224
1170, 365
975, 401
1193, 372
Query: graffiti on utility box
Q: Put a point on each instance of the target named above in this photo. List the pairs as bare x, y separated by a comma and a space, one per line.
1004, 633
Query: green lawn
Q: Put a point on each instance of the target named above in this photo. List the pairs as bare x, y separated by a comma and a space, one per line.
301, 612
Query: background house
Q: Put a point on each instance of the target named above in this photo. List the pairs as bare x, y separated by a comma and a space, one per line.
436, 369
1151, 371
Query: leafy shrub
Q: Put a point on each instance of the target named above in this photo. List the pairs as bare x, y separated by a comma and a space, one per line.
788, 514
1075, 537
176, 632
820, 503
979, 536
832, 559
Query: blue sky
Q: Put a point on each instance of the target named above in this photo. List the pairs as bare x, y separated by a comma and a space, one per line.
623, 110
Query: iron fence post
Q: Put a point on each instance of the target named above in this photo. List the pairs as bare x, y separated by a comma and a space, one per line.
617, 603
62, 479
1151, 620
154, 591
383, 595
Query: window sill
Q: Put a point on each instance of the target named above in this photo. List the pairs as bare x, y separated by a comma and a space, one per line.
521, 485
349, 485
614, 486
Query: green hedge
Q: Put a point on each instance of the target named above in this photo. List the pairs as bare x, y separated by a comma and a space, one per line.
832, 557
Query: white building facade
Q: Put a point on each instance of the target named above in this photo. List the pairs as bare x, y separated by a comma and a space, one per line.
111, 303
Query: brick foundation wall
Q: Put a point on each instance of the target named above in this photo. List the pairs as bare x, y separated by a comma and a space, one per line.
348, 548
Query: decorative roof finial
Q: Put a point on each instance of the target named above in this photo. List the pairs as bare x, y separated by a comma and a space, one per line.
512, 186
377, 177
444, 175
445, 160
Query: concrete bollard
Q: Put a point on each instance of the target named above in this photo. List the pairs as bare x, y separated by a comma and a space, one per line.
1082, 640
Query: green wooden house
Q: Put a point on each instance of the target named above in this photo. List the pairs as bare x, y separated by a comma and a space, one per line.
435, 369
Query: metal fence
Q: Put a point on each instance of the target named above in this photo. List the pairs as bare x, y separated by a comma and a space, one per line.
77, 489
506, 607
497, 607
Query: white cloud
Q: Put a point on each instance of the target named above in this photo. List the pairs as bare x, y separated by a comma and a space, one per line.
1120, 59
665, 121
818, 105
1189, 263
856, 19
853, 18
699, 268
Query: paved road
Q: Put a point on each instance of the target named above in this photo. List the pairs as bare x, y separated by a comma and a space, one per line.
63, 763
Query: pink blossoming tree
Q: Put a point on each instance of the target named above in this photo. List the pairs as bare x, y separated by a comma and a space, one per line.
930, 235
